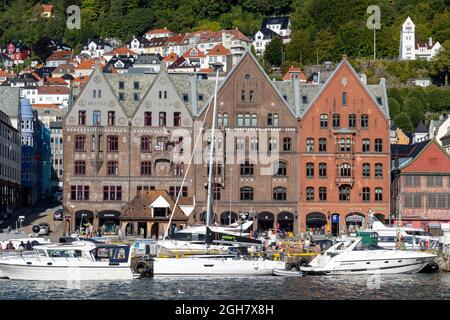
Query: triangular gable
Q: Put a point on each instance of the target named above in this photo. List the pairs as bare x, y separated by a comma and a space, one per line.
342, 64
232, 72
107, 102
421, 162
160, 202
152, 102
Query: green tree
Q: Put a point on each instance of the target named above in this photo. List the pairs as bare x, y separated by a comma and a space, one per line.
403, 121
274, 51
415, 109
394, 107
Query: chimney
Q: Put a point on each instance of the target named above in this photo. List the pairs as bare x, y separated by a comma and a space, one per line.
430, 41
193, 81
296, 83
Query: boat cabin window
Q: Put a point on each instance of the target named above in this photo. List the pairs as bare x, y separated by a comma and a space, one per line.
111, 254
182, 236
41, 253
57, 253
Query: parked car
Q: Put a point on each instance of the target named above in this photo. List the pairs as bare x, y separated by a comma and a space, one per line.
58, 215
42, 229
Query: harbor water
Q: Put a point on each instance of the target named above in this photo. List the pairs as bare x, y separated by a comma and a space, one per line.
379, 287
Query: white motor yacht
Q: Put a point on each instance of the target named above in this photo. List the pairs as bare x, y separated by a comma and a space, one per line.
351, 256
70, 262
212, 266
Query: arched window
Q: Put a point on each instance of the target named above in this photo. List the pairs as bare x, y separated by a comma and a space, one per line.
342, 145
246, 193
324, 121
269, 119
254, 119
345, 170
378, 170
275, 119
344, 193
243, 95
279, 194
348, 145
309, 193
240, 120
352, 121
310, 145
280, 168
322, 145
366, 145
247, 120
378, 194
251, 96
322, 169
366, 170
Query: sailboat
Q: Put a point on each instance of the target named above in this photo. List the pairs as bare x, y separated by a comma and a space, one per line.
207, 265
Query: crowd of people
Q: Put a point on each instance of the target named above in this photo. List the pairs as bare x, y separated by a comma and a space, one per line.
21, 247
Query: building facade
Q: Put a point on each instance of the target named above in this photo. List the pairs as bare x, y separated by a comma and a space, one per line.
10, 167
344, 160
57, 156
424, 181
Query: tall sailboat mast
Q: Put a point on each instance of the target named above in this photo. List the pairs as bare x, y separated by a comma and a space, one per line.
211, 153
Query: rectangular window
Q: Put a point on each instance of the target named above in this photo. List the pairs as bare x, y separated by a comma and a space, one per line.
146, 168
121, 85
344, 98
434, 181
113, 168
136, 96
336, 121
148, 118
412, 181
412, 200
80, 167
80, 142
112, 193
79, 193
146, 144
136, 85
364, 121
177, 119
162, 119
111, 118
121, 96
81, 118
185, 98
113, 143
97, 118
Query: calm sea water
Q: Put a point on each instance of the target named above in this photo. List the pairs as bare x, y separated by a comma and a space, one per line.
418, 286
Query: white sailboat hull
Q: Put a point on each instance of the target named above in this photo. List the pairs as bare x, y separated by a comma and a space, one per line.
210, 266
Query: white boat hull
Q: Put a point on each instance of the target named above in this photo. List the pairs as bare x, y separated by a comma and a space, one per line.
55, 273
210, 266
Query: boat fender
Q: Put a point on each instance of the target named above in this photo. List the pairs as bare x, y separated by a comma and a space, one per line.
141, 267
303, 263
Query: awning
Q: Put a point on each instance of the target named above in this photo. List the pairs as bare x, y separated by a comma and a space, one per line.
109, 215
354, 218
85, 213
285, 216
266, 216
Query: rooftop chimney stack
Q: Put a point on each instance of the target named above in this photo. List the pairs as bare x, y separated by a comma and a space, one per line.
430, 41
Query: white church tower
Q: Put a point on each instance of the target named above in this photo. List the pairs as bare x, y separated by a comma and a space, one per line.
408, 40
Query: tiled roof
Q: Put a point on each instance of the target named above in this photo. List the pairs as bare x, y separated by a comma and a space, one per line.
55, 81
61, 55
156, 31
45, 105
85, 64
158, 42
170, 57
53, 90
238, 35
81, 79
121, 52
218, 50
47, 8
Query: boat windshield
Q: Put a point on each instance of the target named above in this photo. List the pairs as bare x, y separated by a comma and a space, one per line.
112, 254
181, 236
363, 246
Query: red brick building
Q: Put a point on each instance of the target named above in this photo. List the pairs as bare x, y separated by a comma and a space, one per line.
424, 199
344, 153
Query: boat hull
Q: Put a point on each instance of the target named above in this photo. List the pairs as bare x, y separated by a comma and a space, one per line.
210, 267
60, 273
361, 267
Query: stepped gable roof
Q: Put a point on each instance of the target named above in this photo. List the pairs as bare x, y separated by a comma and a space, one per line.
10, 101
310, 91
421, 127
283, 21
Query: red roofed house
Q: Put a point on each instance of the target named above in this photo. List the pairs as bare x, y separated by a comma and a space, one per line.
55, 94
295, 71
79, 82
120, 52
424, 181
219, 54
196, 57
158, 33
84, 68
47, 11
59, 57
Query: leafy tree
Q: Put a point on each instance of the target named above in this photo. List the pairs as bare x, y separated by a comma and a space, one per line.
403, 121
415, 109
394, 107
274, 51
